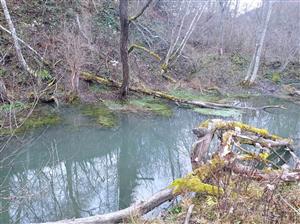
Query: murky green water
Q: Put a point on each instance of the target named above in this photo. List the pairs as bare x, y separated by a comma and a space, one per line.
78, 169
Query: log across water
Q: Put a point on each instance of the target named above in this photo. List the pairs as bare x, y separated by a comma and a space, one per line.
109, 82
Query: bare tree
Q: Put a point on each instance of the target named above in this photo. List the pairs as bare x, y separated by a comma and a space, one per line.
178, 41
124, 22
254, 65
224, 7
15, 38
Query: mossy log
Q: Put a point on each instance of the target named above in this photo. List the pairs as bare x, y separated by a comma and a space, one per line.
164, 68
109, 82
236, 133
152, 53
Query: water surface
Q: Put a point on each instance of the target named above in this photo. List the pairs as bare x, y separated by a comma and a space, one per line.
77, 169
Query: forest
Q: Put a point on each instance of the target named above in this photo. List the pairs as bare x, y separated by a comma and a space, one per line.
149, 111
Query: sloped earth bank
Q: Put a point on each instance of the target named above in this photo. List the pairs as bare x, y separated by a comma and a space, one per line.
80, 167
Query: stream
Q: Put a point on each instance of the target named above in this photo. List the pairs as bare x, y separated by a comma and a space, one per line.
78, 169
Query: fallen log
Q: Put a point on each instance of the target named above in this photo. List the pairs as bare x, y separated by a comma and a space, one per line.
134, 210
109, 82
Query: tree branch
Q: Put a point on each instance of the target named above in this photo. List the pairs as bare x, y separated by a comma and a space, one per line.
131, 19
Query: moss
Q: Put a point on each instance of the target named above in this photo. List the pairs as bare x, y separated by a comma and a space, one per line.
151, 105
219, 112
193, 182
153, 54
276, 77
14, 106
37, 120
101, 113
239, 60
2, 72
40, 121
245, 127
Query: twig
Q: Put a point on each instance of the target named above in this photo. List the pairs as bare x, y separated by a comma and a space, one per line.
25, 44
141, 12
288, 204
189, 214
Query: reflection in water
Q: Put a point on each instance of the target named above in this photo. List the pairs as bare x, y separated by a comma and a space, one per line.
76, 169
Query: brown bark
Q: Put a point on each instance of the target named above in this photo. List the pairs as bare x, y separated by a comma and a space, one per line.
123, 7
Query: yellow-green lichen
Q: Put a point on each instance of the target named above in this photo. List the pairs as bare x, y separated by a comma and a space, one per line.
193, 182
220, 124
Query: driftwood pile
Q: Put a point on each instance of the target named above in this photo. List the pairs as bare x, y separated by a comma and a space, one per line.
231, 154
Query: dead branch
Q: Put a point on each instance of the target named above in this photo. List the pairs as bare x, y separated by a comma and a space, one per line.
136, 209
131, 19
153, 54
189, 214
26, 45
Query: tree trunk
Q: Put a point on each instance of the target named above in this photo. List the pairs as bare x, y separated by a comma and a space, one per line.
256, 59
123, 7
15, 38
